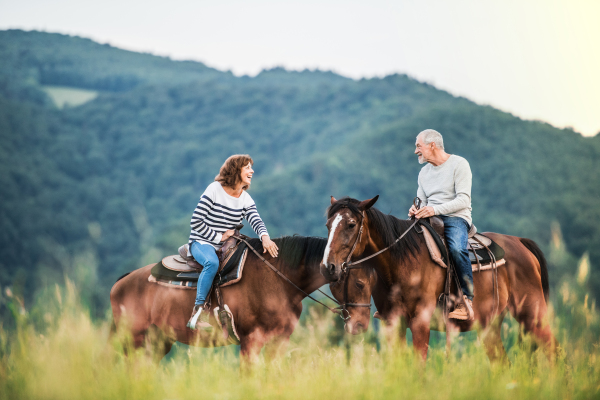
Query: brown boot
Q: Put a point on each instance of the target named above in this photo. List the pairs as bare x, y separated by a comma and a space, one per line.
463, 311
199, 319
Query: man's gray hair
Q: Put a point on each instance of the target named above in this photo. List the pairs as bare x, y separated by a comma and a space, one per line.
432, 136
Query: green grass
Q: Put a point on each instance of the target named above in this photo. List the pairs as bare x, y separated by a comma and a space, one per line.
67, 96
58, 352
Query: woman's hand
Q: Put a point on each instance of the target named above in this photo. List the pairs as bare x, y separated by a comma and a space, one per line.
227, 234
269, 246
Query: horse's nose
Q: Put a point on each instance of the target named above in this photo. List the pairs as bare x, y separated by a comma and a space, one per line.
358, 328
331, 269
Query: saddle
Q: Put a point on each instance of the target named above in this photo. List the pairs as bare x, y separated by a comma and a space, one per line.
183, 271
484, 253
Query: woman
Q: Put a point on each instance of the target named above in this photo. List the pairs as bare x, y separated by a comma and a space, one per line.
222, 206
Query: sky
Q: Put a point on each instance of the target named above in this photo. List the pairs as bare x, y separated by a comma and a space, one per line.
535, 59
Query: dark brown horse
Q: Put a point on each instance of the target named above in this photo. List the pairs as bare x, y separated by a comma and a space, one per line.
409, 283
266, 308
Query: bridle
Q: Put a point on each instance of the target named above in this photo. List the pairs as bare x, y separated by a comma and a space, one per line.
346, 267
341, 309
349, 265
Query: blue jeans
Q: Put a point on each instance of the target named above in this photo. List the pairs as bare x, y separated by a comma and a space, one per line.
456, 230
206, 255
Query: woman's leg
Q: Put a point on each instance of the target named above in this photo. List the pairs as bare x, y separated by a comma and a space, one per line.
206, 255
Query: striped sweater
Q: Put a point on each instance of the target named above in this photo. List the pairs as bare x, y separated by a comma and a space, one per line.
218, 212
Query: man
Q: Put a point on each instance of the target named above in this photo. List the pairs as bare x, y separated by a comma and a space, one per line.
445, 190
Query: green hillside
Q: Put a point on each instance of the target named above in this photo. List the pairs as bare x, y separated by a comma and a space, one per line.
96, 190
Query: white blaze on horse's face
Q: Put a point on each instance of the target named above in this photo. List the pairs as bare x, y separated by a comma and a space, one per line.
334, 226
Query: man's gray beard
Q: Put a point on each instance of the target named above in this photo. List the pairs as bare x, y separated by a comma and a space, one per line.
421, 160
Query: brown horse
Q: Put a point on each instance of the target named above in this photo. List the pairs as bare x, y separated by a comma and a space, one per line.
409, 283
265, 307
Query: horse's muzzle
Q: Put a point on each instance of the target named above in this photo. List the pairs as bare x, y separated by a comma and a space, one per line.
329, 272
354, 328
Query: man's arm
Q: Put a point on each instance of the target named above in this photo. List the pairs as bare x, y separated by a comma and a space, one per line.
462, 185
421, 195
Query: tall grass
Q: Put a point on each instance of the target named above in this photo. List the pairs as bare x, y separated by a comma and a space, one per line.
56, 351
71, 357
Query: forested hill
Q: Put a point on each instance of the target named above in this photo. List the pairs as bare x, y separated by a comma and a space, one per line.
107, 183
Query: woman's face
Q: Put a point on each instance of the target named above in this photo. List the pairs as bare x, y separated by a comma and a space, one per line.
247, 173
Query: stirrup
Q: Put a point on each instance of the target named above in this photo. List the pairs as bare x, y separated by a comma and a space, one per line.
463, 307
199, 320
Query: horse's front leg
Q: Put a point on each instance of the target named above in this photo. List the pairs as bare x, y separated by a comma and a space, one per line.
419, 326
250, 347
276, 347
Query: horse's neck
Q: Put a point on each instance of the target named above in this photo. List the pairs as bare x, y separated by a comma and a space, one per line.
308, 277
383, 263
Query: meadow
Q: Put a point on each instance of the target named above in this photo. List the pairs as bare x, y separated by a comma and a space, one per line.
56, 350
66, 355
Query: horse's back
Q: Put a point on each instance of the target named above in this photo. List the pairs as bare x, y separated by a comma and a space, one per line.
525, 265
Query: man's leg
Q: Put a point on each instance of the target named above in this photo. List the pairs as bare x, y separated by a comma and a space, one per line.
456, 231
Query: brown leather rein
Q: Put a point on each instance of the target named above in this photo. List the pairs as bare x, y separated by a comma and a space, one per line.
348, 265
338, 310
351, 265
342, 308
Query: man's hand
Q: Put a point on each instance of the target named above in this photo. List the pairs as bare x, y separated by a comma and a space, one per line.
425, 212
227, 234
269, 246
412, 211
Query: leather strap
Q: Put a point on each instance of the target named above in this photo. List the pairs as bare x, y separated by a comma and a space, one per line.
333, 310
350, 264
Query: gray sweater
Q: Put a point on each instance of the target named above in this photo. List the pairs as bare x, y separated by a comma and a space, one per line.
447, 188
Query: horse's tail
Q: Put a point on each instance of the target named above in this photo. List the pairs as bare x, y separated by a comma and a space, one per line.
533, 247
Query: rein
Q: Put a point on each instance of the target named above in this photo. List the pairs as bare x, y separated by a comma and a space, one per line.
350, 265
339, 310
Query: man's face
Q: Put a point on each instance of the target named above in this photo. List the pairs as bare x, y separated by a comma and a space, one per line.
423, 151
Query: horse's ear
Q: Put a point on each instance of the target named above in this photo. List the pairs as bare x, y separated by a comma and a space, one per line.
333, 200
365, 205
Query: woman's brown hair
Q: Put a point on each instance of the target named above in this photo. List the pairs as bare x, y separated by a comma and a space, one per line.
230, 173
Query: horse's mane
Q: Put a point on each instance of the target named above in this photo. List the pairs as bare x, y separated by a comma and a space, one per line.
292, 249
389, 228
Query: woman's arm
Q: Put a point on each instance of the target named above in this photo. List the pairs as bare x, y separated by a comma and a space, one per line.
252, 216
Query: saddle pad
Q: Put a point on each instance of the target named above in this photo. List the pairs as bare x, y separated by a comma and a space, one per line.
228, 275
485, 262
435, 242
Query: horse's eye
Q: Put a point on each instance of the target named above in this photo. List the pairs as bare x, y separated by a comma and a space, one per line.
360, 285
351, 226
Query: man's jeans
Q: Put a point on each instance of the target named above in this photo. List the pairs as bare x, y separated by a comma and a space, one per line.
456, 230
206, 255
